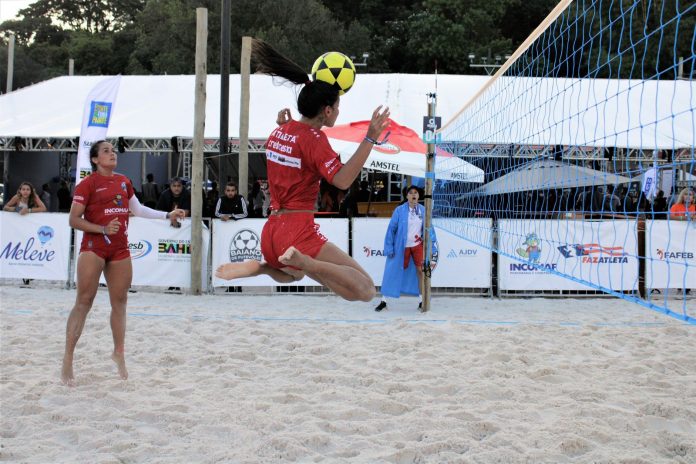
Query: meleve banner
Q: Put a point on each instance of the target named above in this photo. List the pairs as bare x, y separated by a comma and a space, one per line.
34, 246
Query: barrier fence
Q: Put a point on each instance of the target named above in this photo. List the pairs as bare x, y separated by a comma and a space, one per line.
38, 246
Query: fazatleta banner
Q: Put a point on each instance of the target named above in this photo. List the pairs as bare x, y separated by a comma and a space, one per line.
96, 117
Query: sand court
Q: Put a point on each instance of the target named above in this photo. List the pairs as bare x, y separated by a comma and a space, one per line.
283, 378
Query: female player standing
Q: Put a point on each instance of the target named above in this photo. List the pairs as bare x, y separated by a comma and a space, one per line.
100, 208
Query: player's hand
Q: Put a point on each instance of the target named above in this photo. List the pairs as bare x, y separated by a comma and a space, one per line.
176, 215
379, 122
284, 116
112, 227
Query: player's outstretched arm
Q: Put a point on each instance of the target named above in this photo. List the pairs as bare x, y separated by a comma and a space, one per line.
379, 122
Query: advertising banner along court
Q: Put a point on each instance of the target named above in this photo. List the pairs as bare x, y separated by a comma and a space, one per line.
670, 251
461, 264
238, 241
34, 246
161, 254
603, 253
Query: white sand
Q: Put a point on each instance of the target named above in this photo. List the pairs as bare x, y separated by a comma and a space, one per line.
233, 378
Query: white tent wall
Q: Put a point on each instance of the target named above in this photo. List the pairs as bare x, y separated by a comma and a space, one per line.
160, 107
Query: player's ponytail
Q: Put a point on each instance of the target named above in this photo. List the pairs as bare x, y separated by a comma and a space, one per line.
314, 95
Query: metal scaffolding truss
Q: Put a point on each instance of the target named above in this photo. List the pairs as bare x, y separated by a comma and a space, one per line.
130, 144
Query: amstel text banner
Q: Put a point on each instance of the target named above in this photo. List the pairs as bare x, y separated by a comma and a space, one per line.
460, 264
34, 246
161, 254
567, 255
239, 241
670, 249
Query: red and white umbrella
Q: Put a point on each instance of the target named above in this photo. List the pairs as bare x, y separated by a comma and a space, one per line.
403, 153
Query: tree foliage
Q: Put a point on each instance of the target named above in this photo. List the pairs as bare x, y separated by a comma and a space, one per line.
415, 36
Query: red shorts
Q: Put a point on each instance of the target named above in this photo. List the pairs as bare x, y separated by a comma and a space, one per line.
290, 229
107, 252
416, 252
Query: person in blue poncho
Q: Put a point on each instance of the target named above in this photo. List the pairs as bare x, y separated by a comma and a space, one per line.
403, 247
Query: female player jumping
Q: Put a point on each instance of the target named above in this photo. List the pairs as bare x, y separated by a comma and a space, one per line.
298, 156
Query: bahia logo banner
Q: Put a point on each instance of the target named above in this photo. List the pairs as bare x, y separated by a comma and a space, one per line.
244, 246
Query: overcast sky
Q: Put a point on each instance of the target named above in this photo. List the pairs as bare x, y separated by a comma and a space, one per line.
9, 8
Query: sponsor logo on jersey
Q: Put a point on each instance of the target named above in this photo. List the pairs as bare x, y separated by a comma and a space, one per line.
284, 160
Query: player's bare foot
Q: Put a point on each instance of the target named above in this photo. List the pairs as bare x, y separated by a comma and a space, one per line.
237, 270
292, 257
66, 374
120, 360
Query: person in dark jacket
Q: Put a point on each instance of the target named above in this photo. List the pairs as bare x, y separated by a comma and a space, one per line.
231, 205
175, 197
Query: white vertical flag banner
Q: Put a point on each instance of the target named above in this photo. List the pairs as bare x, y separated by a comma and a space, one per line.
96, 117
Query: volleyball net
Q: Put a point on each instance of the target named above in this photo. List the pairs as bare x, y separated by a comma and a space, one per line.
586, 138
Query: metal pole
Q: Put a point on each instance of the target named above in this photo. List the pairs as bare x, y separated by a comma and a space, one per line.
71, 67
197, 155
10, 61
245, 66
428, 220
223, 159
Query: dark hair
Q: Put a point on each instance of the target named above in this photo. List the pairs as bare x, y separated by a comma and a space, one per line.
150, 177
177, 180
31, 202
231, 184
94, 152
314, 96
417, 189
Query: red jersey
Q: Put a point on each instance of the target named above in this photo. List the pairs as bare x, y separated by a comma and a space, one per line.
297, 157
105, 198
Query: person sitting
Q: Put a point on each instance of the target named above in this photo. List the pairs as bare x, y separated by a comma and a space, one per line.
231, 205
683, 209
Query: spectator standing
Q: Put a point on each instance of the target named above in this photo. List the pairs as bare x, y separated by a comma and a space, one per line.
176, 197
232, 205
150, 191
45, 196
64, 198
403, 247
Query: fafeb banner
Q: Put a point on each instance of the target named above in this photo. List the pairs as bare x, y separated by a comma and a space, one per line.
670, 249
460, 264
34, 246
603, 253
238, 241
160, 253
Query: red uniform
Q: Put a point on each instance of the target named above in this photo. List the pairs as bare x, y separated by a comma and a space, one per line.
105, 198
297, 157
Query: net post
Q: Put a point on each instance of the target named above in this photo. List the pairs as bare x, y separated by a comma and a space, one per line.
428, 219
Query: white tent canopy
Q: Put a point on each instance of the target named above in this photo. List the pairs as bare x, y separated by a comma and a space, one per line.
547, 174
160, 107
